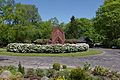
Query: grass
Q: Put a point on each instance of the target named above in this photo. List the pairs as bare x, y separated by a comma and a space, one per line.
3, 52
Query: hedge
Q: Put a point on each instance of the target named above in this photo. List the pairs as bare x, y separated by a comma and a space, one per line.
57, 48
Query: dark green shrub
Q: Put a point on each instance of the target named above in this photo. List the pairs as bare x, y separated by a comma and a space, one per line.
72, 41
59, 78
109, 43
20, 68
40, 72
11, 68
42, 41
56, 66
78, 74
98, 70
64, 66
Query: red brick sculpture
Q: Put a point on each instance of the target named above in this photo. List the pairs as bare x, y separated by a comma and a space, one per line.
58, 36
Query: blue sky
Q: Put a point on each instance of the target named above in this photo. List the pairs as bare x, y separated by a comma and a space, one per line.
64, 9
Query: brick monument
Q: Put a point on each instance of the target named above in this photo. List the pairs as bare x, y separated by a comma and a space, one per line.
58, 36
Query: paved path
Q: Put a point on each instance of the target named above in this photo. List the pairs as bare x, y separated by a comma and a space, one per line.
110, 59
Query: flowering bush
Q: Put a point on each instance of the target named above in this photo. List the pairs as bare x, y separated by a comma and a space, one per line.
57, 48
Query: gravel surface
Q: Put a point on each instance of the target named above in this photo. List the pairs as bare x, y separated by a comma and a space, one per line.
109, 59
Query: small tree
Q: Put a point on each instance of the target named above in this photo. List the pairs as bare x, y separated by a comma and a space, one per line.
20, 68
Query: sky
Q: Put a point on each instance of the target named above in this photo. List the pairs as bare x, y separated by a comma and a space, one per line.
64, 9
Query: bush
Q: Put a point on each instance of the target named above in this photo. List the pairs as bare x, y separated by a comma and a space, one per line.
72, 41
65, 73
100, 71
64, 66
40, 72
81, 74
20, 68
56, 66
42, 41
57, 48
78, 74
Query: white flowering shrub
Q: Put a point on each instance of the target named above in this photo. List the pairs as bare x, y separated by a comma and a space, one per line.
57, 48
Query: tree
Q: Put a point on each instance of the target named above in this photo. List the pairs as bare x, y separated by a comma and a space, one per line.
54, 21
107, 21
20, 68
26, 14
7, 11
7, 34
71, 30
79, 27
46, 29
26, 23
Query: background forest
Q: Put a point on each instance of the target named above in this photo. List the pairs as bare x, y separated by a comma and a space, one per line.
22, 23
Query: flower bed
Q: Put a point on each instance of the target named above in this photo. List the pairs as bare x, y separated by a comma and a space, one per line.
57, 48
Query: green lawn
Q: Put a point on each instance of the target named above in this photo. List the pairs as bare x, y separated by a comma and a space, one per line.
3, 52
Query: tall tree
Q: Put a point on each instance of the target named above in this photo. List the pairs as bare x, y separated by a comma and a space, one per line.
7, 8
71, 31
54, 21
107, 20
46, 29
79, 27
26, 14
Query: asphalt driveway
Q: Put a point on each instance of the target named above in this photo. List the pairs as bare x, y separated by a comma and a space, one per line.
110, 58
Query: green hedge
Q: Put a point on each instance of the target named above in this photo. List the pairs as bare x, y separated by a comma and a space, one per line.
57, 48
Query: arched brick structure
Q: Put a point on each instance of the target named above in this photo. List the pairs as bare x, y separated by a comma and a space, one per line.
58, 36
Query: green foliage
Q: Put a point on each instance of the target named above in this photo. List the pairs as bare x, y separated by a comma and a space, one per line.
100, 71
79, 27
7, 34
118, 43
59, 78
50, 72
106, 73
107, 20
78, 74
18, 22
56, 66
64, 66
41, 41
40, 72
65, 74
7, 11
72, 41
26, 14
46, 29
85, 73
20, 68
54, 21
22, 23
